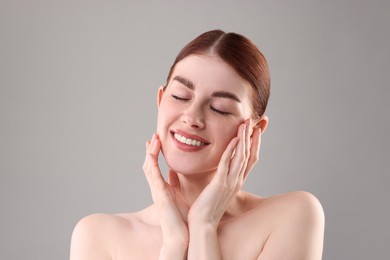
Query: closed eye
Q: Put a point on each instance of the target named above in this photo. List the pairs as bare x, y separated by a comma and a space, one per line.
211, 107
219, 111
179, 98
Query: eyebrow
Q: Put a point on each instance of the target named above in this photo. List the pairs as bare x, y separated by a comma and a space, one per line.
219, 94
185, 82
225, 94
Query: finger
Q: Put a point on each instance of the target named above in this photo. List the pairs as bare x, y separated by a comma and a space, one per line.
247, 146
248, 137
157, 180
155, 147
154, 151
147, 144
154, 136
239, 155
146, 164
152, 170
154, 176
152, 155
173, 179
224, 163
181, 204
254, 152
158, 186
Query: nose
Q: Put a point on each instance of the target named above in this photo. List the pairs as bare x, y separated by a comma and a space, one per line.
193, 117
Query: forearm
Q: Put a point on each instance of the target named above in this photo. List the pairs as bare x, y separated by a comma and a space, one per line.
175, 245
204, 243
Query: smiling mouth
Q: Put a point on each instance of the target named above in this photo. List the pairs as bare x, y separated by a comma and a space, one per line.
187, 140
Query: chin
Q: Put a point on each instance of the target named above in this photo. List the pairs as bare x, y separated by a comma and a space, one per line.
188, 168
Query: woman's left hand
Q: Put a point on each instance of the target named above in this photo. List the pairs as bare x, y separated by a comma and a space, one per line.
237, 161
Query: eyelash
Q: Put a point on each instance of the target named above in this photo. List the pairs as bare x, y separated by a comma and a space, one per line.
179, 98
219, 112
212, 108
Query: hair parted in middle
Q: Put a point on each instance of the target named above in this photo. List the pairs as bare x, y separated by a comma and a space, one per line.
241, 54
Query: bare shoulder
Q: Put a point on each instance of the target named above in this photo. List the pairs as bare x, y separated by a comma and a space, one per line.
92, 236
98, 236
296, 222
97, 224
296, 203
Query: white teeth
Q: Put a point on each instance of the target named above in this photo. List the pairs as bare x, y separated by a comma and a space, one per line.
187, 141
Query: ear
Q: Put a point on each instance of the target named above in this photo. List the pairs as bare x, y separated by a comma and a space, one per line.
261, 123
160, 94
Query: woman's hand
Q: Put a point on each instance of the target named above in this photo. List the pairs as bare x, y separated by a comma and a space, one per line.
237, 161
205, 214
170, 203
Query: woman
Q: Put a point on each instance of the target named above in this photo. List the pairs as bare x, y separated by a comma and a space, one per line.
210, 122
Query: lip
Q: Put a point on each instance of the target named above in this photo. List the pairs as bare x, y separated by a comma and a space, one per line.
191, 136
186, 147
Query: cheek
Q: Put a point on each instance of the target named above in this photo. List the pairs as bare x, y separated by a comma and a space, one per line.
230, 127
162, 120
166, 116
226, 132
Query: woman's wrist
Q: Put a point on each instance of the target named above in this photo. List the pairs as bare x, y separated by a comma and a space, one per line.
175, 244
174, 249
208, 223
173, 252
204, 242
202, 228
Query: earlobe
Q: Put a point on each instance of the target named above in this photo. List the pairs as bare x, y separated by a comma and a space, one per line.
160, 94
262, 123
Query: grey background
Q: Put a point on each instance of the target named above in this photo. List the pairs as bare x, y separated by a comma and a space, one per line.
78, 82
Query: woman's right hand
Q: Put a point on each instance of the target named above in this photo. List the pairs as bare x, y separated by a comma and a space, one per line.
168, 199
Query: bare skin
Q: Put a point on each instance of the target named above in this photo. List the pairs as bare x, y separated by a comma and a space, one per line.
288, 226
201, 211
254, 232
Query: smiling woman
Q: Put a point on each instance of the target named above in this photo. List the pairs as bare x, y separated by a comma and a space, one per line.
210, 121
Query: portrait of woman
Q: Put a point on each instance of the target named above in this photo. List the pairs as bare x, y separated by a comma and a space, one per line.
211, 118
249, 130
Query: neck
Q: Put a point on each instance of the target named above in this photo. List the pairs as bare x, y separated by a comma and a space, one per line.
193, 184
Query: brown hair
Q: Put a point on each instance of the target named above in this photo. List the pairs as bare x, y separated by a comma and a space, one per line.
240, 53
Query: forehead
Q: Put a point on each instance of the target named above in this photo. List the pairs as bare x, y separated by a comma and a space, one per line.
211, 73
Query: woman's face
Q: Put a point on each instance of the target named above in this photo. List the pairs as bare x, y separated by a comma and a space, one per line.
200, 112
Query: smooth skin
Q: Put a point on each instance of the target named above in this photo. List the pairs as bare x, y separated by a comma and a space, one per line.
201, 212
